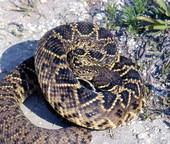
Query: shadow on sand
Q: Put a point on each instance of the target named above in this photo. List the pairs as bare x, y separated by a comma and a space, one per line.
35, 103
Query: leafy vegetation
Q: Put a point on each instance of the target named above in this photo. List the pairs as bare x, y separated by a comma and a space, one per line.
25, 6
151, 15
166, 70
130, 13
112, 13
161, 8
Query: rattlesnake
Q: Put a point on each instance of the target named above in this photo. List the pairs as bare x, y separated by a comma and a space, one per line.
67, 59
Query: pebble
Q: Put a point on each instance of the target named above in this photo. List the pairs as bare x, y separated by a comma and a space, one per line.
40, 123
162, 131
165, 142
31, 27
151, 135
156, 130
147, 128
105, 1
43, 1
105, 143
142, 135
131, 44
100, 16
134, 131
132, 122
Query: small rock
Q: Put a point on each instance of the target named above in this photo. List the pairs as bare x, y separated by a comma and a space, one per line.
134, 131
132, 122
105, 1
165, 142
40, 123
100, 16
156, 130
43, 1
147, 128
44, 30
151, 135
142, 135
105, 143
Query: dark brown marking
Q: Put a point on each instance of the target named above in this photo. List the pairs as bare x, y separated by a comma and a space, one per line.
125, 97
117, 65
135, 105
55, 46
96, 54
102, 124
85, 95
110, 48
44, 66
133, 87
104, 33
65, 76
126, 61
119, 113
65, 31
128, 117
57, 61
109, 99
85, 28
92, 113
132, 74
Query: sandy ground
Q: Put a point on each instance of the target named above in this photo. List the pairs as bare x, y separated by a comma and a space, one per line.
19, 34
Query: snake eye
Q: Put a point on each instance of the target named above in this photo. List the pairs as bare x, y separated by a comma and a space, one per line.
79, 51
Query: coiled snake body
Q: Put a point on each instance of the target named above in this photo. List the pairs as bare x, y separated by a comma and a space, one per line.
67, 59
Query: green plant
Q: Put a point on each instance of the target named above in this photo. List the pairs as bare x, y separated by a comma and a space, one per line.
164, 8
166, 70
161, 8
26, 6
111, 18
130, 12
17, 29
